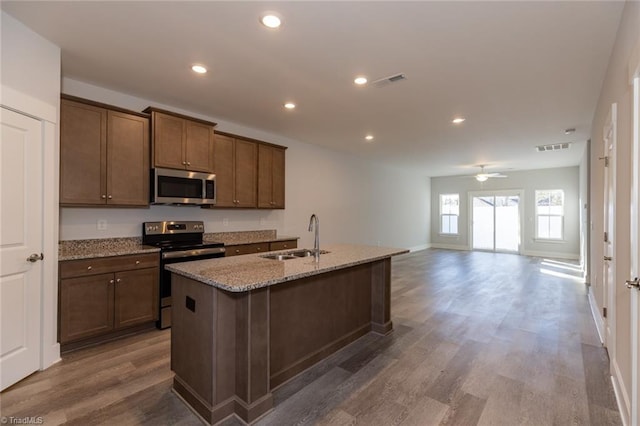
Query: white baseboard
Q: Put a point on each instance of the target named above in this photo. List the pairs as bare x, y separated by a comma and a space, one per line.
420, 247
449, 246
551, 254
597, 317
622, 395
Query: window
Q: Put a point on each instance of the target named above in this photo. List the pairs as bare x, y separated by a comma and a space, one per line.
449, 210
550, 214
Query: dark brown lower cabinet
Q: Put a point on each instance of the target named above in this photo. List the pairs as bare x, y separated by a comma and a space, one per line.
105, 296
240, 249
86, 307
136, 297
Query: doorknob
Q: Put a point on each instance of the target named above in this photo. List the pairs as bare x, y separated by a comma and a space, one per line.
35, 257
635, 283
608, 258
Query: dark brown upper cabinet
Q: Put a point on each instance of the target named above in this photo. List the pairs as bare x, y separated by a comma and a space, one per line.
104, 155
270, 177
236, 170
181, 142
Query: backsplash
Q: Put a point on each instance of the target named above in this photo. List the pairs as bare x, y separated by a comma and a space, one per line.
88, 223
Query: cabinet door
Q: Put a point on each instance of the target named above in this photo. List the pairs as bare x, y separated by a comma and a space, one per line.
168, 137
86, 306
136, 297
277, 176
223, 168
265, 181
127, 159
246, 176
199, 147
83, 148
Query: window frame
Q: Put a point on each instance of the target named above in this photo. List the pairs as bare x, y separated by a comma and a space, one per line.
448, 214
549, 215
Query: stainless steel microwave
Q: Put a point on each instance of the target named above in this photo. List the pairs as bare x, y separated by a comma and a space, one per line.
170, 186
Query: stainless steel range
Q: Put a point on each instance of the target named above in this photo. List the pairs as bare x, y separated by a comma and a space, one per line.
178, 242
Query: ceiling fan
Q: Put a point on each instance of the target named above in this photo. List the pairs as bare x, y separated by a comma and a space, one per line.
483, 176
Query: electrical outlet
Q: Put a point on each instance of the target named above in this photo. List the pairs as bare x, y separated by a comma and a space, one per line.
102, 225
262, 221
225, 222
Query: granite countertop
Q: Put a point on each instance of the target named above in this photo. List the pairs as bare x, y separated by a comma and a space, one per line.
248, 272
246, 237
106, 247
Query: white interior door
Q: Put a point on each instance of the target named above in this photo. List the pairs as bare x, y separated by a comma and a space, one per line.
633, 283
608, 272
21, 217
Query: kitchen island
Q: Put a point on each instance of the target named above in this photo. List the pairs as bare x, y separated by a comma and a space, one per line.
244, 325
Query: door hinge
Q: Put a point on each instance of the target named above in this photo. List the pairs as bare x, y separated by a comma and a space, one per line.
606, 160
606, 237
604, 312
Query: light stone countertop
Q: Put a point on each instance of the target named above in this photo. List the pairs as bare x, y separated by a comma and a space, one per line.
105, 247
252, 271
246, 237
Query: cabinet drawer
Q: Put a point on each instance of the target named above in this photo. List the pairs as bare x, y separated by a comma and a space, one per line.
283, 245
247, 249
101, 265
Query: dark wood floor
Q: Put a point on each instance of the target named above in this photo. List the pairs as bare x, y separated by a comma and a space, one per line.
480, 338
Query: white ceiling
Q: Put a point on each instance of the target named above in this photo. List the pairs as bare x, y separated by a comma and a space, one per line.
520, 72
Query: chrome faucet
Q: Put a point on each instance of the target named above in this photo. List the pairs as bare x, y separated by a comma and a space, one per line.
316, 242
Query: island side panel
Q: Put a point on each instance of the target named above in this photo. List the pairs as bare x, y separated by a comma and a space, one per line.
203, 347
315, 316
252, 354
381, 297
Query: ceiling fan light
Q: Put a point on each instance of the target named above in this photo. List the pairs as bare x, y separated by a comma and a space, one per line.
481, 178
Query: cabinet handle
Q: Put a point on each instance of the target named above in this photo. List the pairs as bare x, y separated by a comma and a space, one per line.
184, 163
89, 268
237, 250
109, 197
285, 246
118, 280
137, 262
110, 281
188, 163
259, 249
104, 197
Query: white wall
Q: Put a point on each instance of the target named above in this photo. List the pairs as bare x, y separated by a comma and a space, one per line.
356, 201
616, 88
30, 83
30, 63
565, 178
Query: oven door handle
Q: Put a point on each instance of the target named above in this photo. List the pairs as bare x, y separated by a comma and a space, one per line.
192, 253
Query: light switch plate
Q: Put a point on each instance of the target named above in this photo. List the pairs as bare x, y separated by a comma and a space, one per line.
102, 225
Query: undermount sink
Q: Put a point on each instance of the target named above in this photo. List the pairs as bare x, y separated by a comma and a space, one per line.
295, 254
279, 256
304, 252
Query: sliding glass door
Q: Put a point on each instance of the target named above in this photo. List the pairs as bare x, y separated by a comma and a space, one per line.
496, 222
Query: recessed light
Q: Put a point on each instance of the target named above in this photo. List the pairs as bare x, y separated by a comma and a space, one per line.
270, 20
360, 80
199, 69
458, 120
289, 105
369, 137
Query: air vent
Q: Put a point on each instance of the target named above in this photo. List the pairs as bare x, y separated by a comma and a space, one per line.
553, 147
390, 79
